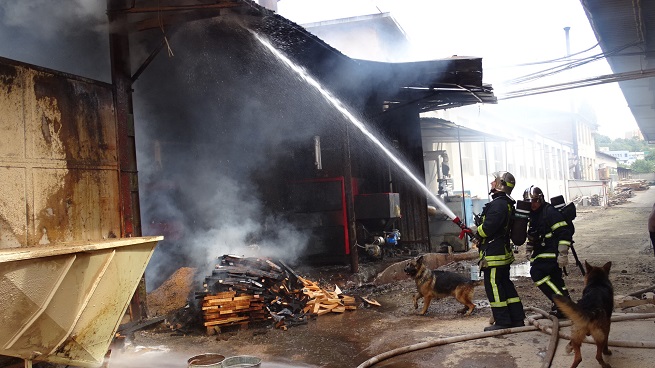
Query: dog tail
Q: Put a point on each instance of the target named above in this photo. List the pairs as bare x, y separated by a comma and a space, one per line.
570, 309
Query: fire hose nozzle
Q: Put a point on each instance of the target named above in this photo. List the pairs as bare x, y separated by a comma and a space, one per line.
465, 229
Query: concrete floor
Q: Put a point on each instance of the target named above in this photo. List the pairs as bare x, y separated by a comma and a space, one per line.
347, 340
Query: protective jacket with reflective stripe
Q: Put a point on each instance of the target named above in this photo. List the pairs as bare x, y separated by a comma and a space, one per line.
548, 229
494, 230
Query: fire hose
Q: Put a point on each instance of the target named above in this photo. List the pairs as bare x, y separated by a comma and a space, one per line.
553, 331
465, 230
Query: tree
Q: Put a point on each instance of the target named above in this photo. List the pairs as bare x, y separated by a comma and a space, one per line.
643, 166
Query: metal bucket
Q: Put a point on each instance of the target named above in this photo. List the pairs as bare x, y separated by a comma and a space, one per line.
242, 361
206, 360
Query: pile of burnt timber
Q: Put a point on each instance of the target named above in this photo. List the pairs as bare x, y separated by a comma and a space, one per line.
248, 291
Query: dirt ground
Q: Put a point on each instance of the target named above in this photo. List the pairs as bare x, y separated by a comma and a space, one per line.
616, 234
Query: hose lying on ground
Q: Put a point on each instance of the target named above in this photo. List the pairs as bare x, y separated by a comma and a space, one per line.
443, 341
447, 340
619, 343
639, 292
554, 337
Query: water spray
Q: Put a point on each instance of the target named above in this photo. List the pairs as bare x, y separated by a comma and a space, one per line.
362, 128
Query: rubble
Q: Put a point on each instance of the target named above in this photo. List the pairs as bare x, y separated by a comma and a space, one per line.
244, 291
172, 294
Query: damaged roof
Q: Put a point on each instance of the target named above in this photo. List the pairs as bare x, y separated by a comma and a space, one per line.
429, 85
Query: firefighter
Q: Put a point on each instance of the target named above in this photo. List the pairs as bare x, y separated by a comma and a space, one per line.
547, 249
496, 255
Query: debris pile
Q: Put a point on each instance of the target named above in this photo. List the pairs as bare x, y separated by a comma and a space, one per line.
243, 291
172, 294
633, 184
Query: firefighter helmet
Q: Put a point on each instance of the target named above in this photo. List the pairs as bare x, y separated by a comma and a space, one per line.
503, 182
534, 194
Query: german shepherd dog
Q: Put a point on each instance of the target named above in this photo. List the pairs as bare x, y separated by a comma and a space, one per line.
591, 315
440, 284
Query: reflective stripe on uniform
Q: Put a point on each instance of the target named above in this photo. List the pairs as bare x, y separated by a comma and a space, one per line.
496, 303
553, 287
481, 232
544, 255
513, 300
558, 225
564, 242
499, 260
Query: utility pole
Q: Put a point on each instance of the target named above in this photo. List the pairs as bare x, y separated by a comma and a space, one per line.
574, 123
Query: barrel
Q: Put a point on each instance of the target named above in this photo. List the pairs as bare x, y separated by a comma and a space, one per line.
242, 361
206, 360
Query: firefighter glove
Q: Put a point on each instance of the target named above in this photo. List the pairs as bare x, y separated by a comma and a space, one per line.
477, 219
528, 251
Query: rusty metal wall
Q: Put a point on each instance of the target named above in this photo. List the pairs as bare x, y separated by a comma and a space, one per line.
58, 157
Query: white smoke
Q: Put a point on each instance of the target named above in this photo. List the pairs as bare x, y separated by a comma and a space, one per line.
65, 35
47, 19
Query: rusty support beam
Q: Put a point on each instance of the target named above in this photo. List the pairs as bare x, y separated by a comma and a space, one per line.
350, 226
129, 189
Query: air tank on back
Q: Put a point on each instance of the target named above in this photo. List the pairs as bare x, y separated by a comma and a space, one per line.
520, 225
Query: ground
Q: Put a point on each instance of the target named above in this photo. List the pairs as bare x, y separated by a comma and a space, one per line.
616, 234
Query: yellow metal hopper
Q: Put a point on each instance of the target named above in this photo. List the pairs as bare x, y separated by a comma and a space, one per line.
63, 303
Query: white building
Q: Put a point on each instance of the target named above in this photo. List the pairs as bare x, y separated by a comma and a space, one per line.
626, 158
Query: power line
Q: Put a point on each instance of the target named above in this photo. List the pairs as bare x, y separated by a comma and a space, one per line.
608, 78
569, 65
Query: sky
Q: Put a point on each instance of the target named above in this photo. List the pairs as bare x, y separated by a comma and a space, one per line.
506, 34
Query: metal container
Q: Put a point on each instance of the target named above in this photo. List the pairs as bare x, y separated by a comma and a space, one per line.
63, 303
242, 361
206, 360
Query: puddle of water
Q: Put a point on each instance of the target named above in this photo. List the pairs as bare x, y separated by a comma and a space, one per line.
166, 357
517, 270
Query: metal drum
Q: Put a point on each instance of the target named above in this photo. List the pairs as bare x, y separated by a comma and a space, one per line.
242, 361
206, 360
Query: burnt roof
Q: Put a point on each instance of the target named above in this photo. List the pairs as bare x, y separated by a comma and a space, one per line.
429, 85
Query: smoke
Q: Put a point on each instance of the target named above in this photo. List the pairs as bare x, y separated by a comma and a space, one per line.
66, 35
218, 130
48, 20
221, 127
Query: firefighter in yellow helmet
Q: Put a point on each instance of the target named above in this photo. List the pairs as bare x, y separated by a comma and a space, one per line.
496, 255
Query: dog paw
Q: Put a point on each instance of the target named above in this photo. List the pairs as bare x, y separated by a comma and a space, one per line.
607, 352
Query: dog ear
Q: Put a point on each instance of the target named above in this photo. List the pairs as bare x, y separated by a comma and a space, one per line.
587, 266
419, 260
607, 267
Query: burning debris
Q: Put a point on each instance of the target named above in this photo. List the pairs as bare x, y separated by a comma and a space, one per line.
243, 291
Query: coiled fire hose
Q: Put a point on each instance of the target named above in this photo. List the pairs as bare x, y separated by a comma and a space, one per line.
552, 330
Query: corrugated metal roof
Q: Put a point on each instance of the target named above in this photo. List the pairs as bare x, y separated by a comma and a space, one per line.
626, 33
435, 130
